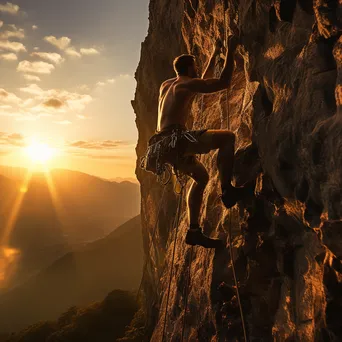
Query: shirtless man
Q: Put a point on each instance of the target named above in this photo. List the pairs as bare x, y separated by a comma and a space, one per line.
175, 100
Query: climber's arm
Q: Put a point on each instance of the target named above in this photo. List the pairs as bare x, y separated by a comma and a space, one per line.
209, 85
228, 68
209, 70
213, 85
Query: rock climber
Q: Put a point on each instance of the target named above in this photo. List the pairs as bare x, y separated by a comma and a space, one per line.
174, 144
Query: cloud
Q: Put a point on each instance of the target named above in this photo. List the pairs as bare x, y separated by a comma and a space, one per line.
35, 67
32, 89
34, 27
49, 56
16, 136
1, 23
38, 102
64, 43
73, 101
125, 76
84, 88
72, 52
14, 33
100, 155
89, 52
98, 145
27, 117
6, 97
11, 46
49, 101
109, 157
14, 139
32, 78
103, 83
9, 8
113, 80
9, 57
4, 153
61, 43
17, 108
54, 103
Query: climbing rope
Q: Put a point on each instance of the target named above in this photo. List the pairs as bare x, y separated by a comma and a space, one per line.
186, 296
230, 217
231, 249
152, 240
234, 276
177, 219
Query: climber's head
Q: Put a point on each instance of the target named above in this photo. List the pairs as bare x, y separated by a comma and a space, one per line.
185, 65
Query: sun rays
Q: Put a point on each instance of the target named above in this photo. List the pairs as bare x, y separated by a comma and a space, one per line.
8, 255
39, 156
38, 153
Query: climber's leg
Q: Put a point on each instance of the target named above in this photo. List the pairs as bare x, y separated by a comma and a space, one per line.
224, 141
195, 169
199, 174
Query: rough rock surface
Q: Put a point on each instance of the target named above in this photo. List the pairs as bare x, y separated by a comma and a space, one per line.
285, 108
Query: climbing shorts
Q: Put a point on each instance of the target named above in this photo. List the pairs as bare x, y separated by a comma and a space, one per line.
169, 147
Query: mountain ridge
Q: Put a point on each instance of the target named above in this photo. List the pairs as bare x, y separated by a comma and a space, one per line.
77, 278
57, 213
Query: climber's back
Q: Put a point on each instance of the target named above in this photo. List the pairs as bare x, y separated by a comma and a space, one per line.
174, 101
174, 104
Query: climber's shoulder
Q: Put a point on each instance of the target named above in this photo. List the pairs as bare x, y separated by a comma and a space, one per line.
165, 86
167, 83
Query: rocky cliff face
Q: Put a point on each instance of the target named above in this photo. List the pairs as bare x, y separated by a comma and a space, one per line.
285, 108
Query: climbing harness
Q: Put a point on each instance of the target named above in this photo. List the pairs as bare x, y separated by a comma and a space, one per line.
164, 149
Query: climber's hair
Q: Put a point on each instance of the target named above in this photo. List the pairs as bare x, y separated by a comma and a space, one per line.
182, 63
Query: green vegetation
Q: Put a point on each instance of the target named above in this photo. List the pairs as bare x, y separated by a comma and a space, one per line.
101, 322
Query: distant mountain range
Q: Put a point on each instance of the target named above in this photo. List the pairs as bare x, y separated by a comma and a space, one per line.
121, 179
59, 213
77, 278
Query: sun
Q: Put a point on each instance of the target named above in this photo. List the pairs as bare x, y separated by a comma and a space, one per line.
39, 152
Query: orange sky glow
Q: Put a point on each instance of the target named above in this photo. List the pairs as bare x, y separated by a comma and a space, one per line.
67, 84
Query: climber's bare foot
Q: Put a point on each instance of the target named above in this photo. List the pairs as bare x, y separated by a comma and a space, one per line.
233, 195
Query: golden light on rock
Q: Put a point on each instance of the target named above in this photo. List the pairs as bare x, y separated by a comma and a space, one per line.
274, 52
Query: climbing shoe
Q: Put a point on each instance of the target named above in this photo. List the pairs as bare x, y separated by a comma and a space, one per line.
232, 195
196, 237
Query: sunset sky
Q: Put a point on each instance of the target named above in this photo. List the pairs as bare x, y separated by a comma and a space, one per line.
67, 79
